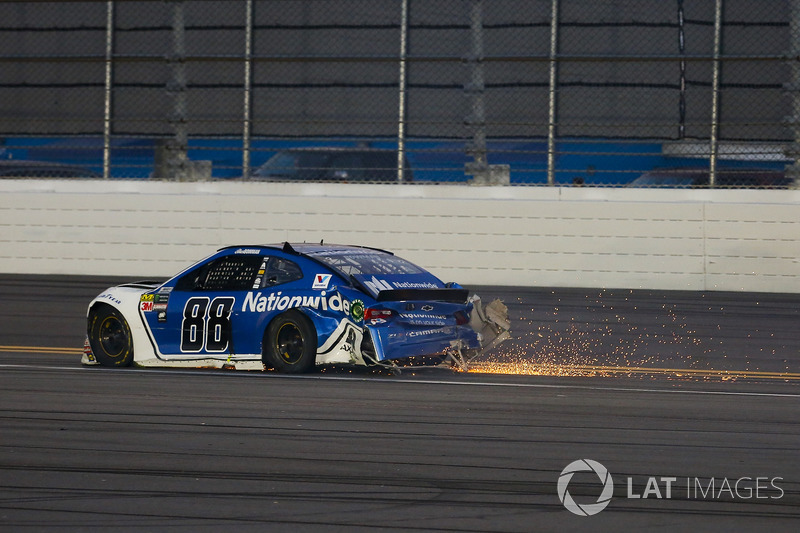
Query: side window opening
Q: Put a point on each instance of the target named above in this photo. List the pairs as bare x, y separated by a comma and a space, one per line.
280, 271
229, 273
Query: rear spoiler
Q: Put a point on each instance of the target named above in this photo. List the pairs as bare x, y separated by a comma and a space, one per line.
438, 295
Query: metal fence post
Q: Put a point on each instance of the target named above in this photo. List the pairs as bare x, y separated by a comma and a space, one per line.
175, 157
479, 167
402, 83
107, 90
248, 84
793, 89
682, 67
551, 115
712, 174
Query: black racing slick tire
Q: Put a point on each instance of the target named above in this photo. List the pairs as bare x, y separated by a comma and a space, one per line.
110, 337
290, 344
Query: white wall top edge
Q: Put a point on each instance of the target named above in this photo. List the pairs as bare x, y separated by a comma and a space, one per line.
443, 191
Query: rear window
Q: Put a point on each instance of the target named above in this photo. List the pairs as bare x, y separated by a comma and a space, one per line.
367, 263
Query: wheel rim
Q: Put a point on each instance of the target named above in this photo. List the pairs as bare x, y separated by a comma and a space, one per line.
113, 336
289, 342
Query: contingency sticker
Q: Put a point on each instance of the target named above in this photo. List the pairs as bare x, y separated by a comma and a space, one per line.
321, 281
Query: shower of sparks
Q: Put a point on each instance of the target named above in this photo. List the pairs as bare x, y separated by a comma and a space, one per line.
612, 345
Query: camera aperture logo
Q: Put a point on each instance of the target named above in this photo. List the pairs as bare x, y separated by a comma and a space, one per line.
585, 465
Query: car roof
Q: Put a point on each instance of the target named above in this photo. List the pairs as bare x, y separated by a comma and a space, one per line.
310, 249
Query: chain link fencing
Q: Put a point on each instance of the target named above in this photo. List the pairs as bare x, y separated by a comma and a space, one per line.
657, 93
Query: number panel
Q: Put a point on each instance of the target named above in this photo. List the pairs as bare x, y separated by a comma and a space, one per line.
206, 324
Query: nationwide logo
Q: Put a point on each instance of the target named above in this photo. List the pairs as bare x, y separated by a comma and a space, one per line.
260, 303
585, 465
377, 285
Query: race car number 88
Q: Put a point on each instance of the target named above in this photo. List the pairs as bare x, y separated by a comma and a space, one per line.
206, 326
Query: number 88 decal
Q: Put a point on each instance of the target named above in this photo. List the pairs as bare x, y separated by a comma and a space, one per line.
206, 326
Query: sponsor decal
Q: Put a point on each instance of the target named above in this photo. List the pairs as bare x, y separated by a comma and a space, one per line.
422, 316
162, 316
110, 297
321, 281
414, 285
425, 319
277, 301
423, 333
357, 310
427, 308
248, 251
146, 306
153, 298
377, 285
261, 271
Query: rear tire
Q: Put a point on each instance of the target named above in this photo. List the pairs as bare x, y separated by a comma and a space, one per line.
290, 344
110, 337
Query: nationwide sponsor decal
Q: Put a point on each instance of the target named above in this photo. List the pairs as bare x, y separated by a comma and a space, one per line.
422, 316
414, 285
321, 281
377, 285
260, 303
425, 319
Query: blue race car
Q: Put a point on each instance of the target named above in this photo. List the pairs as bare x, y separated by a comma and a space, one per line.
289, 308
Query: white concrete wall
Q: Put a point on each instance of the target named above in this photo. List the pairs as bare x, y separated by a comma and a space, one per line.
580, 237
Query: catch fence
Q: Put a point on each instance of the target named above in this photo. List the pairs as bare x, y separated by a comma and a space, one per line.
520, 92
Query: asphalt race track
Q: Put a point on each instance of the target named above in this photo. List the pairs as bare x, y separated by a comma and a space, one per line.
686, 404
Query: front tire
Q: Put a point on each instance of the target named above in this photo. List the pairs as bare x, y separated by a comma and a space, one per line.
290, 344
110, 337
